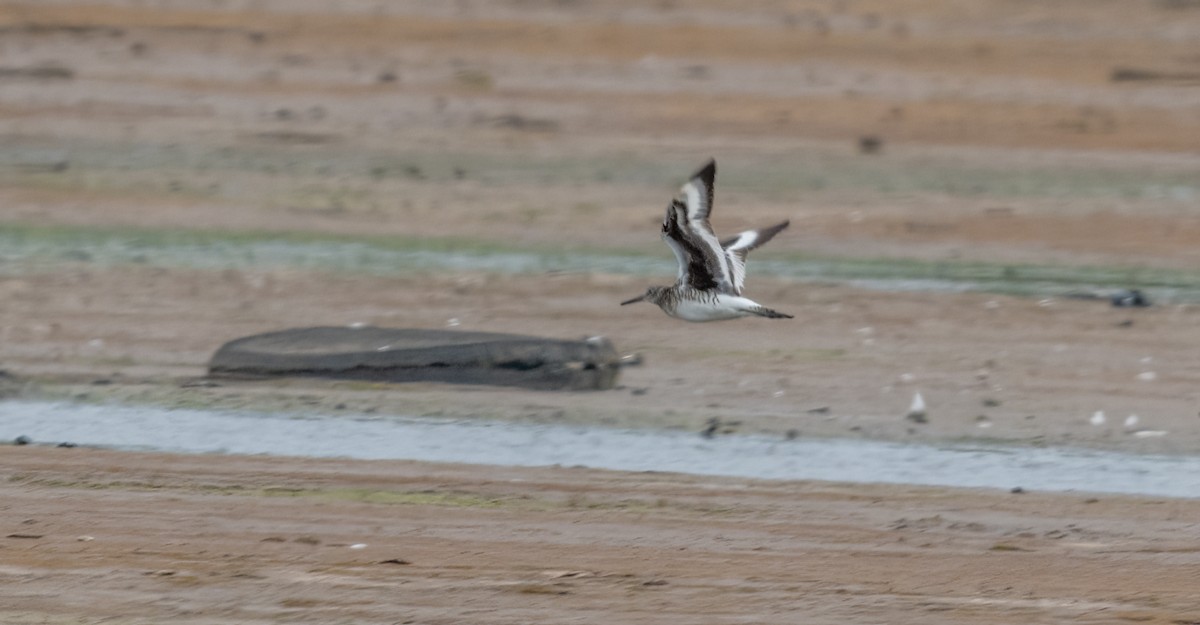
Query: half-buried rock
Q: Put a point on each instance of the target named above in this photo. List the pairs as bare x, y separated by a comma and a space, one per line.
414, 355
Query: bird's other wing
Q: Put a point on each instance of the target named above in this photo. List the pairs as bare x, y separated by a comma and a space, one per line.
695, 264
697, 196
736, 248
670, 224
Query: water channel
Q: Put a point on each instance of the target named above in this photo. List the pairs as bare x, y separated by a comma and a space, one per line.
501, 443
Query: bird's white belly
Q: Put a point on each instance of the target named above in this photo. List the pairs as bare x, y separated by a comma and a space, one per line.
724, 307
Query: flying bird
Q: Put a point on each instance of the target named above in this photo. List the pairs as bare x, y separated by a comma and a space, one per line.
711, 272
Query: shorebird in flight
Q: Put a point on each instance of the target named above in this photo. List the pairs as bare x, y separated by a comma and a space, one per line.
711, 272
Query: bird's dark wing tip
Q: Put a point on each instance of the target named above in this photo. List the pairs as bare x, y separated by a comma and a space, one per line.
708, 173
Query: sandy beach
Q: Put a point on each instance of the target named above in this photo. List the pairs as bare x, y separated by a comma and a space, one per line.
966, 182
97, 536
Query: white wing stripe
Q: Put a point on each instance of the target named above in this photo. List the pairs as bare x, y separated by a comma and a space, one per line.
697, 225
735, 255
745, 240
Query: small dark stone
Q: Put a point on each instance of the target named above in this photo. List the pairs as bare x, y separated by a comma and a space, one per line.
1129, 298
1017, 490
22, 440
387, 77
67, 445
870, 144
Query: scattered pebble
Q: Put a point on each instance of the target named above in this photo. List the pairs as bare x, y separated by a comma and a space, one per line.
1129, 298
632, 360
1147, 376
359, 546
1097, 418
870, 144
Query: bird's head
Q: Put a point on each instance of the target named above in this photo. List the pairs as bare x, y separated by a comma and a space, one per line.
654, 295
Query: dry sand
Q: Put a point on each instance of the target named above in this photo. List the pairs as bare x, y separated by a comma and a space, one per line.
97, 536
1057, 133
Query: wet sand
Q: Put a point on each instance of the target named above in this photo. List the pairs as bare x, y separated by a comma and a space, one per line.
1055, 133
98, 536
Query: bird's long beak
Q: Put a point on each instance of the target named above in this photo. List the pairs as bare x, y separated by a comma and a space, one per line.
634, 300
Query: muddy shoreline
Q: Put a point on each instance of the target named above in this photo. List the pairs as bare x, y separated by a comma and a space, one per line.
96, 535
987, 136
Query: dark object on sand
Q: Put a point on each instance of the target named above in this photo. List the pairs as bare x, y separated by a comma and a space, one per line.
1129, 298
22, 440
414, 355
870, 144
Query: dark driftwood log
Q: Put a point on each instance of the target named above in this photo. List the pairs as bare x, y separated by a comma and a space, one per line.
413, 355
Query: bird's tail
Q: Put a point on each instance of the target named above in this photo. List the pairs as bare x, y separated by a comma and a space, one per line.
763, 311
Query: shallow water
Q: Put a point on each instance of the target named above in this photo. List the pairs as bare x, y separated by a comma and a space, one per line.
484, 442
21, 252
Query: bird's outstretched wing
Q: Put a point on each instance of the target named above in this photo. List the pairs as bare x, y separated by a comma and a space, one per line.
736, 248
695, 266
695, 231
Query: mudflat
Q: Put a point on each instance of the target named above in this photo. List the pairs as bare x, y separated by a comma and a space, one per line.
110, 537
957, 174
